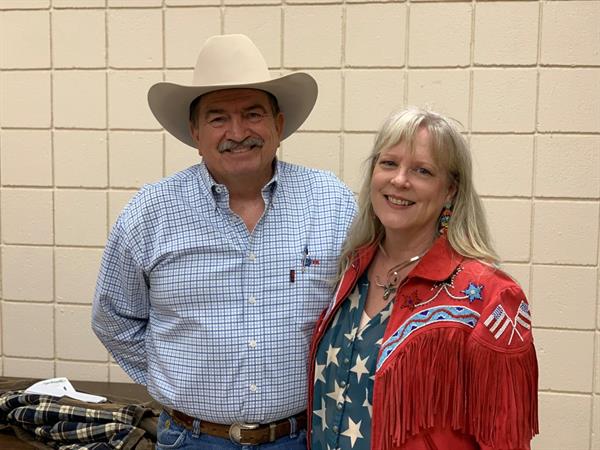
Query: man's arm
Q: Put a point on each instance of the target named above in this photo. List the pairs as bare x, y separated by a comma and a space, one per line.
121, 305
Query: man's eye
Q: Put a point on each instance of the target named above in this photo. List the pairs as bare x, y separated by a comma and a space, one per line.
254, 116
217, 121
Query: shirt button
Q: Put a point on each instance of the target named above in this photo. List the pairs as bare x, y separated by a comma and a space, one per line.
253, 387
218, 189
339, 407
346, 361
252, 343
342, 383
251, 256
252, 300
335, 428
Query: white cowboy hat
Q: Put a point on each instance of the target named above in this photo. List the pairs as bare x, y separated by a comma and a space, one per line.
228, 62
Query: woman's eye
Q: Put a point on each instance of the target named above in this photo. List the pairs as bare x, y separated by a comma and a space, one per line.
387, 163
423, 171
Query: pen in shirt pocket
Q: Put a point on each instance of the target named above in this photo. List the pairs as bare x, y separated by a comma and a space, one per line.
305, 262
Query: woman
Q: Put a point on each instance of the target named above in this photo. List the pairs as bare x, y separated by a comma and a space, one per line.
427, 344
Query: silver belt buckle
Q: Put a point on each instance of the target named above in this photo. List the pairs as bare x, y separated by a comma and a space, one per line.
235, 432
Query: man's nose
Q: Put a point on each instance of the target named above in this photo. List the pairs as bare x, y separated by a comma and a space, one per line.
237, 128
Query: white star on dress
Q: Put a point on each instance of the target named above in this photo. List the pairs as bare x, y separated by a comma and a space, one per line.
385, 314
353, 431
319, 369
321, 414
354, 299
337, 394
360, 367
332, 355
367, 404
350, 336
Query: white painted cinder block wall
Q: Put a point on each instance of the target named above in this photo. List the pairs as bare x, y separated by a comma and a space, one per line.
77, 140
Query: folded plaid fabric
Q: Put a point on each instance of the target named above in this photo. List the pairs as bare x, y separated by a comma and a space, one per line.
67, 427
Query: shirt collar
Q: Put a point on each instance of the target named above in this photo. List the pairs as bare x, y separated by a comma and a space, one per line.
219, 191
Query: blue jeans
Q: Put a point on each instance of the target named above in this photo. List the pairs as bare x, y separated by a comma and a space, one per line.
177, 437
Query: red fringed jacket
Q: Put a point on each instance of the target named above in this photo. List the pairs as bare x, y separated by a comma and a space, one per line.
457, 367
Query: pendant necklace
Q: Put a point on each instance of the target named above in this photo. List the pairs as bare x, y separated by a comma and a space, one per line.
392, 279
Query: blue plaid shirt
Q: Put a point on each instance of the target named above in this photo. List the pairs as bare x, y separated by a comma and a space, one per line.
216, 321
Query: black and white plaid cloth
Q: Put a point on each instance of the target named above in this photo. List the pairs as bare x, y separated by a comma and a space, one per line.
67, 427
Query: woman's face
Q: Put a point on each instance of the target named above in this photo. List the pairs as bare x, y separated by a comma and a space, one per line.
408, 189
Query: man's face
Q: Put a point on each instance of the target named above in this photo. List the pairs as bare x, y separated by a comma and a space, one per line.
237, 135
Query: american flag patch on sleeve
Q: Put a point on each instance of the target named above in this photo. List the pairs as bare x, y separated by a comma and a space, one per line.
498, 322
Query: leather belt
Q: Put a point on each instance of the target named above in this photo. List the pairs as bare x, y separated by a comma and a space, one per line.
243, 433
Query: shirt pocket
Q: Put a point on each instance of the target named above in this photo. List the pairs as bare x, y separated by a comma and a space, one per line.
313, 288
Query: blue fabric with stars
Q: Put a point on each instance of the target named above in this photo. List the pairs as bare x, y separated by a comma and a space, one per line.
344, 372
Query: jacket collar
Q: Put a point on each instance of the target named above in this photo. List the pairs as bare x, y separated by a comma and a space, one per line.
439, 262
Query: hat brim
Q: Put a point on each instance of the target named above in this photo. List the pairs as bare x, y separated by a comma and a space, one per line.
296, 95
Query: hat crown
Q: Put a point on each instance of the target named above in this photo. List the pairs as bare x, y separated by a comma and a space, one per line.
231, 62
230, 59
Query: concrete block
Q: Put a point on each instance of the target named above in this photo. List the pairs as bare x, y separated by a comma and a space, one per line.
567, 166
569, 100
504, 100
570, 33
27, 216
558, 351
79, 99
502, 164
370, 96
375, 35
27, 273
186, 29
262, 24
24, 39
572, 230
447, 41
312, 36
135, 158
25, 99
79, 38
80, 158
80, 217
134, 38
506, 33
36, 340
565, 296
26, 157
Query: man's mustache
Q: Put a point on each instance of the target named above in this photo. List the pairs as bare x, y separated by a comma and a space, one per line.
230, 144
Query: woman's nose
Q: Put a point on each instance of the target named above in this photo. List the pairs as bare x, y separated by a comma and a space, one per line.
400, 179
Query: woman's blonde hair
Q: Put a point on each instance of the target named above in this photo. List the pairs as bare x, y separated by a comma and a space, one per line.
467, 230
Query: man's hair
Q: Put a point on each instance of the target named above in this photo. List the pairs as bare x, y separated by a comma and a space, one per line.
467, 230
195, 107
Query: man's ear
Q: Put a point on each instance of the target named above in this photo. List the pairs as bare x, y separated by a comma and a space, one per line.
195, 133
279, 122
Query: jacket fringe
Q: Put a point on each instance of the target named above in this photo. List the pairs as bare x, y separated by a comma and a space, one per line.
446, 377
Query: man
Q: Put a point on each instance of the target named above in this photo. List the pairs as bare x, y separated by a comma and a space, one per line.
212, 279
